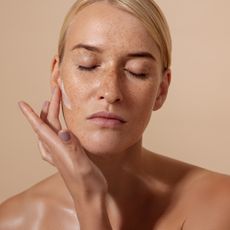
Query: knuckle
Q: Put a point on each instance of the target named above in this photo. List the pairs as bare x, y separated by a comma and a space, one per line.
40, 127
52, 118
72, 147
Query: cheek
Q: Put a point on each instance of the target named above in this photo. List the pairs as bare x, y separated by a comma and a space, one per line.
71, 87
143, 104
144, 97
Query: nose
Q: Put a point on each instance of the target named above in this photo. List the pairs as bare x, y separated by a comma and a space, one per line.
110, 89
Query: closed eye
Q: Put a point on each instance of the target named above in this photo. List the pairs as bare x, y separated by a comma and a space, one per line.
91, 68
86, 68
139, 75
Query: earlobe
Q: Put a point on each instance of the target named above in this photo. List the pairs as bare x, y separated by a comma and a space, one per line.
163, 90
158, 103
55, 72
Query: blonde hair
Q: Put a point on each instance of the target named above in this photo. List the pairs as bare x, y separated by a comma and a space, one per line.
147, 11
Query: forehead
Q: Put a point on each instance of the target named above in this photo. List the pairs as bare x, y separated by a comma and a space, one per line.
105, 25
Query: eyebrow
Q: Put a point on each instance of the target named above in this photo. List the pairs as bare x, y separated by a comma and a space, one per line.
87, 47
141, 54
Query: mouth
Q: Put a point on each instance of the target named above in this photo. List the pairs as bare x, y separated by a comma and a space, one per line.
106, 119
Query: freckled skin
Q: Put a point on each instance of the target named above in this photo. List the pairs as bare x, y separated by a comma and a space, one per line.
109, 87
147, 191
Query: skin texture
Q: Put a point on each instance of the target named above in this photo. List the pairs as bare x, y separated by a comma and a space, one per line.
106, 179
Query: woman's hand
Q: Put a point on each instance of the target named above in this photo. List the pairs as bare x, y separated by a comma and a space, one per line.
62, 148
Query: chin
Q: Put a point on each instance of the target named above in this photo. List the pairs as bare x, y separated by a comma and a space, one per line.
103, 148
104, 144
100, 151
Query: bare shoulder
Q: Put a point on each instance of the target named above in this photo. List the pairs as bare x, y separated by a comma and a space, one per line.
205, 197
13, 212
34, 207
205, 184
200, 199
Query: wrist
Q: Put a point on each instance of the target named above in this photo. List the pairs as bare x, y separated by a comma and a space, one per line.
92, 213
95, 203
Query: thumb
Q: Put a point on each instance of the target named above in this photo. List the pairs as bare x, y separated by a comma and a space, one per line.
68, 137
76, 153
69, 140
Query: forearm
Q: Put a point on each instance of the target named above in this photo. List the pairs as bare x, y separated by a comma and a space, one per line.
92, 214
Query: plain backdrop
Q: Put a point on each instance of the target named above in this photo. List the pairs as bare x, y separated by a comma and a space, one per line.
193, 126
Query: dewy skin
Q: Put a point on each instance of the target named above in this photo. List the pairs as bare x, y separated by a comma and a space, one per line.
65, 98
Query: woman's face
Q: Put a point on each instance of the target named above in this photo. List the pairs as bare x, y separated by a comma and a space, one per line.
112, 65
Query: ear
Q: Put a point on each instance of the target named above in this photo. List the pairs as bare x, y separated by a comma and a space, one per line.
163, 90
55, 72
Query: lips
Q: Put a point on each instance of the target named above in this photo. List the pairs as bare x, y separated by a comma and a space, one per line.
108, 116
107, 120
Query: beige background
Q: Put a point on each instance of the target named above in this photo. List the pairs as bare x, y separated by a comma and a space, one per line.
194, 124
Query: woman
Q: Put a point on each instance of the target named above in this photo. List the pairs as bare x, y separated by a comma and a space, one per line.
108, 77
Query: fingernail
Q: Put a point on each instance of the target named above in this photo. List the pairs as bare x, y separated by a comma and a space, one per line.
64, 135
20, 104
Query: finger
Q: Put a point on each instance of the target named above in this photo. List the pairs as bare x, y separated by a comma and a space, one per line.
68, 155
54, 110
42, 147
60, 154
44, 111
44, 132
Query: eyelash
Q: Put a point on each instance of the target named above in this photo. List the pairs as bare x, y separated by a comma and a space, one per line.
84, 68
139, 75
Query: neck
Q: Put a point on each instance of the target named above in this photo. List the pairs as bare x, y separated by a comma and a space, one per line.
128, 194
120, 169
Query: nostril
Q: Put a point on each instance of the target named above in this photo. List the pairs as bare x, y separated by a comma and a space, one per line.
110, 98
110, 91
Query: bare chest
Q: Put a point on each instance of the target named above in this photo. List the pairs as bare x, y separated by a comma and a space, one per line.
151, 216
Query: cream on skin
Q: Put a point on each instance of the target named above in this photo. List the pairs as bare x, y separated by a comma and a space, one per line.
65, 98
